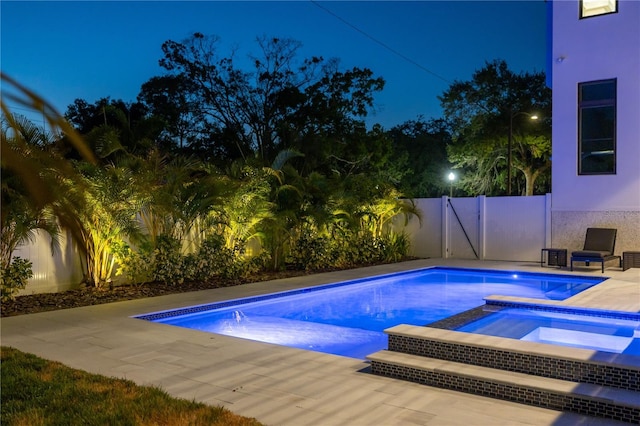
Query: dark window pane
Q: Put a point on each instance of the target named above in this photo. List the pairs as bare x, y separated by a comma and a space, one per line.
598, 122
597, 127
591, 146
602, 162
598, 91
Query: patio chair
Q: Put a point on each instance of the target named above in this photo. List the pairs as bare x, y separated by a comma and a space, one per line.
598, 247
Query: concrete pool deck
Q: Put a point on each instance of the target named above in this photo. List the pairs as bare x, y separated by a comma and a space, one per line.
280, 385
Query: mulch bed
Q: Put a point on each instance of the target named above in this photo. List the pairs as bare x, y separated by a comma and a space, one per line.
87, 296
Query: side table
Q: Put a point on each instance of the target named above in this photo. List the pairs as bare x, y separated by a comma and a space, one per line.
555, 257
630, 259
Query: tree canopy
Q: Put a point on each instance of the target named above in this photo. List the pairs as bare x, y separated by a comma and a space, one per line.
281, 102
419, 156
223, 165
482, 111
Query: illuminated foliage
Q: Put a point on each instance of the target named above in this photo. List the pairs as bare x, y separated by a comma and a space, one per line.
154, 215
481, 112
107, 217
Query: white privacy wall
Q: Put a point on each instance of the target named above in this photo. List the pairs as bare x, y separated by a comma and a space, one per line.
498, 228
53, 271
516, 228
426, 239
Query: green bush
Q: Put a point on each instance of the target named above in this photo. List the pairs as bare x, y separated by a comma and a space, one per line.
214, 259
364, 248
311, 252
396, 247
170, 266
15, 277
167, 264
256, 264
355, 249
137, 266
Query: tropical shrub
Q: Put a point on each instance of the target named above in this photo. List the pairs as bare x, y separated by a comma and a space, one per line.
213, 259
365, 248
396, 247
14, 277
21, 217
30, 169
256, 263
361, 248
107, 216
246, 208
310, 252
169, 265
164, 263
137, 266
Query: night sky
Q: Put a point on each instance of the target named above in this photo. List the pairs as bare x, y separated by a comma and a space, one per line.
90, 49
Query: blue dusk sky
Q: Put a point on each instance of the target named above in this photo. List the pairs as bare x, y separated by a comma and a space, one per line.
94, 49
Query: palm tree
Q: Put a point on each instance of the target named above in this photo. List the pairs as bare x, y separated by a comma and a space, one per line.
246, 207
366, 209
177, 197
39, 172
107, 216
287, 197
21, 217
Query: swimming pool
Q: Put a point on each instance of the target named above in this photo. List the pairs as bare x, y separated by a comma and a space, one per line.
348, 318
610, 331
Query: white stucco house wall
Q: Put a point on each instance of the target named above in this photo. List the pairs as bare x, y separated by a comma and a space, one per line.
594, 71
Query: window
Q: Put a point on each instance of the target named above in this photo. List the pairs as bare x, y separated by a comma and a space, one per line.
597, 127
597, 7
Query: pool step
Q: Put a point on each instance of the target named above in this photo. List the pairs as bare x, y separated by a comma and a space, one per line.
561, 395
567, 379
539, 359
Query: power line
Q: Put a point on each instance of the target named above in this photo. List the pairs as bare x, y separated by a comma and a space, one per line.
375, 40
35, 116
12, 107
395, 52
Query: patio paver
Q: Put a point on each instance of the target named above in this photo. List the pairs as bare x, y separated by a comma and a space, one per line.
280, 385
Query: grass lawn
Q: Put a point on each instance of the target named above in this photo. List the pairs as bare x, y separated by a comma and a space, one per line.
40, 392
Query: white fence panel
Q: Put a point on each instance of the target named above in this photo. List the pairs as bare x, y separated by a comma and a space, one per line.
498, 228
515, 228
426, 240
52, 272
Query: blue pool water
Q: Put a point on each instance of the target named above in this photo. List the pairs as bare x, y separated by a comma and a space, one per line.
348, 318
608, 333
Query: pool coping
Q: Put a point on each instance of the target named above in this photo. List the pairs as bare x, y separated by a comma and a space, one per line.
275, 384
154, 316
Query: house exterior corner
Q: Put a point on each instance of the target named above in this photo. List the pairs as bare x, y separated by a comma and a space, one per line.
594, 61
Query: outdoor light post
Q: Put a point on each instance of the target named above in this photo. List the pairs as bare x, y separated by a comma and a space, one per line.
510, 142
451, 177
